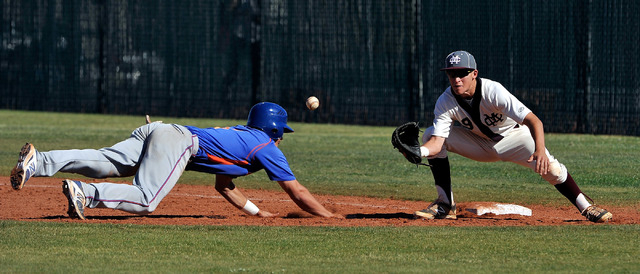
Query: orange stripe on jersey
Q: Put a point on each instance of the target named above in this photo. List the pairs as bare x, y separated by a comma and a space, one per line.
224, 161
258, 147
226, 128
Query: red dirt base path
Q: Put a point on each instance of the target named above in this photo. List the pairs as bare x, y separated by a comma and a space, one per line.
42, 200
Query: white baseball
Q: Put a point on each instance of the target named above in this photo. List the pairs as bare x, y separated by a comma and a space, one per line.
313, 103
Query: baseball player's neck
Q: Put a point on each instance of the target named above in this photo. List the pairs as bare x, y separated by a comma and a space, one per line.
472, 90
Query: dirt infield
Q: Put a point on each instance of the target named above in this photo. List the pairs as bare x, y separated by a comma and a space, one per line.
42, 200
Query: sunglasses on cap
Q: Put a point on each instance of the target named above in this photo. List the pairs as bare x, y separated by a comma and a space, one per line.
459, 73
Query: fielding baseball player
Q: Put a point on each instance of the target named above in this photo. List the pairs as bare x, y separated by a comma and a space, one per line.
158, 153
493, 126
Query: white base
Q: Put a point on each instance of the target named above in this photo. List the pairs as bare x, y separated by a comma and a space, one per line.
499, 209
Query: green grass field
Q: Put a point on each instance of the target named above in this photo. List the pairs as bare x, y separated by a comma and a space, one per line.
341, 160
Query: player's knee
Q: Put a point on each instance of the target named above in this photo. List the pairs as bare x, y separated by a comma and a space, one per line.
146, 210
557, 173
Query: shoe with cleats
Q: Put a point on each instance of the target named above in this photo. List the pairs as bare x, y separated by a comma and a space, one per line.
437, 210
75, 195
25, 168
597, 214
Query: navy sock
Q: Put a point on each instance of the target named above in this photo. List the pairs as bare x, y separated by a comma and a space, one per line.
569, 189
442, 174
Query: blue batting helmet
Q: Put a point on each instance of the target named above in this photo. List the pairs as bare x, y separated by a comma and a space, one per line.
270, 118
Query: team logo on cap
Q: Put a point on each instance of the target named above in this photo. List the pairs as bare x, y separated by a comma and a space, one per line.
455, 59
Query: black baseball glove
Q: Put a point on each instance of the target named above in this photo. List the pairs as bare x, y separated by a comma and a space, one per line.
405, 138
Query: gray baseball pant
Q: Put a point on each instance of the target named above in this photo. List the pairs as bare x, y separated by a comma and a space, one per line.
155, 153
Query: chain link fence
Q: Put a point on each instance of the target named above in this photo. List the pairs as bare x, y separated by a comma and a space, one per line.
574, 63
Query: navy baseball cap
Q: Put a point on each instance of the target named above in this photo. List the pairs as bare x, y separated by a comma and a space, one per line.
460, 60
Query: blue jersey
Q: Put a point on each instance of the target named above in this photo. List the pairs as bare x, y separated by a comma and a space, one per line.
238, 151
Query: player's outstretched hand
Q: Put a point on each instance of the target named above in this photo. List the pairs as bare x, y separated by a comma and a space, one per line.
266, 214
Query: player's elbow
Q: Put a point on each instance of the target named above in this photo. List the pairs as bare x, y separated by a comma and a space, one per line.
532, 121
294, 188
224, 184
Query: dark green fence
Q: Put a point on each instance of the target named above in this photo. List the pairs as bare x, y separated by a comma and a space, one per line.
370, 62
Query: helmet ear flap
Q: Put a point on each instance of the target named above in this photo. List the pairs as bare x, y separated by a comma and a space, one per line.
274, 132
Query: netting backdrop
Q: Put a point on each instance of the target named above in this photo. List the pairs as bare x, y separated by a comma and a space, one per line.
574, 63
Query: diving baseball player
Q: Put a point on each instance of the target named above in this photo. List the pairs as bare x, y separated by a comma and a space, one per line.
157, 154
493, 126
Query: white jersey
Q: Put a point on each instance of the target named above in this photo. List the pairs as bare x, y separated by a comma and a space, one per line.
492, 112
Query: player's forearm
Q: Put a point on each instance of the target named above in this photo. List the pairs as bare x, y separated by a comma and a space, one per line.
309, 204
538, 138
432, 146
303, 198
537, 130
233, 195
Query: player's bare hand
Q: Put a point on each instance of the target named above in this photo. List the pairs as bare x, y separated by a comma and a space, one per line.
266, 214
542, 162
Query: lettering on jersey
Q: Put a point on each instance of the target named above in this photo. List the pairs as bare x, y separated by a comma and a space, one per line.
467, 123
454, 59
474, 112
493, 119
